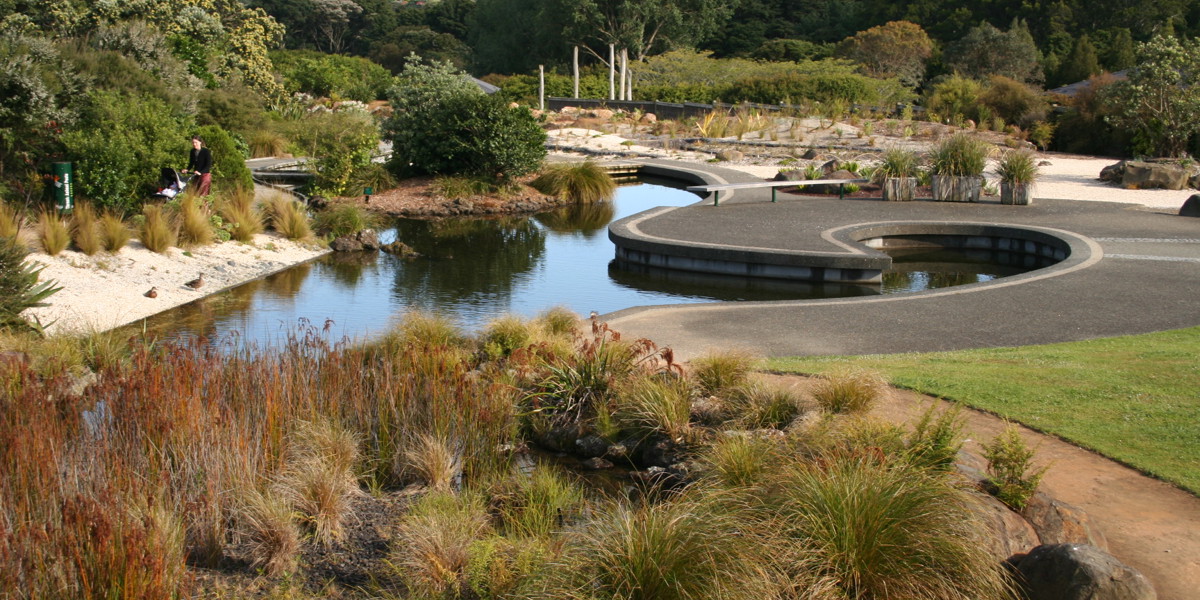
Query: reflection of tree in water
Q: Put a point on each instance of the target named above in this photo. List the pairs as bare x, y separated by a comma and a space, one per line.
466, 261
287, 283
347, 268
199, 318
585, 218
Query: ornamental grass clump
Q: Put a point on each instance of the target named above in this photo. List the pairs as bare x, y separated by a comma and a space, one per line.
1018, 167
851, 391
433, 541
156, 232
10, 221
655, 404
287, 216
52, 233
195, 226
583, 182
959, 155
84, 229
898, 162
717, 371
739, 461
114, 233
537, 505
273, 539
871, 529
244, 219
319, 477
341, 219
758, 405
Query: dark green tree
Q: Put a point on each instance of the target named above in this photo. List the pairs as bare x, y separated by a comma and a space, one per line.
1159, 103
1120, 51
986, 51
1080, 63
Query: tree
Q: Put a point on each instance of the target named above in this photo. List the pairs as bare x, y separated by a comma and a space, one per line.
34, 88
332, 22
644, 27
1120, 51
1081, 63
986, 51
898, 49
1159, 102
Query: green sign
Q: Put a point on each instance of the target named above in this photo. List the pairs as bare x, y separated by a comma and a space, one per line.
64, 186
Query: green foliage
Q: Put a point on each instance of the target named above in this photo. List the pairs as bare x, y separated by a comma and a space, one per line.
505, 334
648, 405
577, 182
959, 155
740, 460
1157, 104
331, 75
1017, 166
339, 146
434, 539
875, 530
469, 135
229, 164
1081, 63
986, 51
423, 84
784, 50
1011, 476
1041, 133
1013, 101
898, 162
341, 219
897, 49
37, 89
524, 88
119, 144
19, 286
851, 391
936, 439
265, 143
544, 502
955, 97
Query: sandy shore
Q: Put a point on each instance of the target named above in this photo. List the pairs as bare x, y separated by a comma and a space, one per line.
107, 290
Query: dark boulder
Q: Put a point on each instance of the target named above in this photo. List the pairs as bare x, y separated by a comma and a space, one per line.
1009, 533
1079, 572
1191, 207
1113, 173
1147, 175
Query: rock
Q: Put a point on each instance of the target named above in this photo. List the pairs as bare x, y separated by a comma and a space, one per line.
831, 188
1057, 522
400, 249
318, 202
649, 119
596, 464
80, 383
656, 451
569, 111
1147, 175
600, 113
1009, 533
366, 239
1044, 163
1191, 207
730, 155
708, 410
1080, 572
591, 446
1194, 180
369, 239
809, 154
968, 124
831, 166
1113, 173
618, 452
558, 439
789, 175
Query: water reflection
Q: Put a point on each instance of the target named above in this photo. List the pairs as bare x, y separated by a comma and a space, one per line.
586, 220
728, 288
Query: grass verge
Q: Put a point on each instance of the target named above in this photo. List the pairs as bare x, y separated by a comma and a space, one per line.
1130, 398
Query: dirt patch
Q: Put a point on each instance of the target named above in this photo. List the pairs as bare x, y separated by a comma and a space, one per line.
1150, 525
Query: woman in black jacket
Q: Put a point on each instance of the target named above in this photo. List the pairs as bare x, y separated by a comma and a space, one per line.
200, 163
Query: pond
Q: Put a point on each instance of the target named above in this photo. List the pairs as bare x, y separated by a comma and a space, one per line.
475, 270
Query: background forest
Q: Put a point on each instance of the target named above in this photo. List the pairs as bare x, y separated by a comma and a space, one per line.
116, 86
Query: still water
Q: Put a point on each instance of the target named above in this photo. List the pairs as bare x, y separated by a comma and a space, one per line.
477, 269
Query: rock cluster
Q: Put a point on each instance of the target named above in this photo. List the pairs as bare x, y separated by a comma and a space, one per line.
1152, 174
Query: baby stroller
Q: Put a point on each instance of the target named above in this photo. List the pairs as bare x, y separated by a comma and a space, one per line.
170, 184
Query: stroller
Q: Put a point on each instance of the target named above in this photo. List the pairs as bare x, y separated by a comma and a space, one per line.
170, 184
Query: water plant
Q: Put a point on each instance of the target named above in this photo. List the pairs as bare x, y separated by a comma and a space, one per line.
583, 182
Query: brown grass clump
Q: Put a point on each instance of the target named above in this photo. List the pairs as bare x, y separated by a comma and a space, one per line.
195, 227
84, 229
52, 233
274, 540
434, 541
243, 216
319, 479
852, 391
721, 370
10, 220
114, 233
435, 461
287, 216
156, 232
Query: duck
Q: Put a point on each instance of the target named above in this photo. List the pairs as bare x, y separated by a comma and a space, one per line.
151, 293
196, 283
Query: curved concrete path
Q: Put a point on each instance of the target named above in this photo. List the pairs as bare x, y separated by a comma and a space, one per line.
1132, 270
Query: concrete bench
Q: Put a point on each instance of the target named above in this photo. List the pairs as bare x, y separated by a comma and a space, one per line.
717, 188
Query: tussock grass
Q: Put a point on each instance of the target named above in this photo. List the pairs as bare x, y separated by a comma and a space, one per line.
52, 233
559, 320
757, 405
434, 541
456, 187
19, 285
716, 371
342, 219
10, 221
156, 233
274, 539
84, 229
881, 531
505, 334
264, 143
239, 209
434, 461
538, 505
849, 391
739, 461
114, 233
195, 226
287, 216
584, 182
319, 480
656, 404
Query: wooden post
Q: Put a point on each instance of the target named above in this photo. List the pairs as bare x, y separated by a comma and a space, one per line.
624, 56
612, 73
541, 87
576, 71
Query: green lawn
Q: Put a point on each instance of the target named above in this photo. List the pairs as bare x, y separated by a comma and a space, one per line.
1135, 399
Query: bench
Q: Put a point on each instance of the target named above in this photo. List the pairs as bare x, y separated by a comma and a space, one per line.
717, 188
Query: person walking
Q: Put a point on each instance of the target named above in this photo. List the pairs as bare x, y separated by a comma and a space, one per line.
200, 163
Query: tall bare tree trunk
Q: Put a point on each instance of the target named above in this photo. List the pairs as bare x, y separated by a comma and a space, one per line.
612, 73
575, 61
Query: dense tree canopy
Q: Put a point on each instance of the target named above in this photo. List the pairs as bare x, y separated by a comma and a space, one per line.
1159, 103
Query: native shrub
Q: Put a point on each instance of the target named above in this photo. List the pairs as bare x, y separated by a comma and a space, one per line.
19, 286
